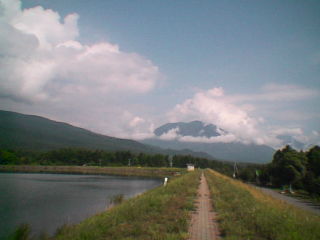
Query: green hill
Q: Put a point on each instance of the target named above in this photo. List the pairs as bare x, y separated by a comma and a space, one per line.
19, 131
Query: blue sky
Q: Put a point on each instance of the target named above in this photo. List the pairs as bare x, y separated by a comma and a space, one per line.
251, 67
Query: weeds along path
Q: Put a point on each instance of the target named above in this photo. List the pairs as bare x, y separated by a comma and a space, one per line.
203, 225
247, 213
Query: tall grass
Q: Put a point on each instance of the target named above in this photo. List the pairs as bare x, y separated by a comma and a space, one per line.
162, 213
22, 232
246, 213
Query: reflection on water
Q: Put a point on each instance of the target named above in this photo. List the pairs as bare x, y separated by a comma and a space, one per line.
47, 201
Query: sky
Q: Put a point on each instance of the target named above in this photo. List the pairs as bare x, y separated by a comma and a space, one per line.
123, 68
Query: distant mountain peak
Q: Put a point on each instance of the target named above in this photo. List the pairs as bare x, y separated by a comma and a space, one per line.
194, 129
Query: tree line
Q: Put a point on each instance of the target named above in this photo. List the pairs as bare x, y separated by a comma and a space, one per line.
87, 157
289, 167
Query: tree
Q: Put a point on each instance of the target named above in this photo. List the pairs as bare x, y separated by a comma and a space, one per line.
312, 179
288, 167
313, 164
8, 157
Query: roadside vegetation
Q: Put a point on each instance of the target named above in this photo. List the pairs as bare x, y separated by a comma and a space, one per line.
289, 169
246, 213
161, 213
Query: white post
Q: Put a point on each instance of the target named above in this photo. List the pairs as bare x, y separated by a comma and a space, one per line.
165, 181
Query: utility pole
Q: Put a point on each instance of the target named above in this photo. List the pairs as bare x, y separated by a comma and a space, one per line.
235, 170
170, 158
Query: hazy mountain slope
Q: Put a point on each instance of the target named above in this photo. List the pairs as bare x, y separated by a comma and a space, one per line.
225, 151
38, 133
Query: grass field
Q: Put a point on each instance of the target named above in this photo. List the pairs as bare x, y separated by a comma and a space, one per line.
246, 213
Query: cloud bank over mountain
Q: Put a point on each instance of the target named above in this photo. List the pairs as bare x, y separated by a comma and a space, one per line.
240, 115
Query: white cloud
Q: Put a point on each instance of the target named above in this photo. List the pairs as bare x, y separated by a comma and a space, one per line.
46, 25
43, 63
287, 131
41, 58
222, 139
213, 107
278, 93
172, 134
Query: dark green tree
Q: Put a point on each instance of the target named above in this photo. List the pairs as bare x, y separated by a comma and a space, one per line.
8, 157
313, 156
288, 167
312, 179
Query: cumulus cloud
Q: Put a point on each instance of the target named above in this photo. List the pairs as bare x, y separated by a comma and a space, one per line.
41, 58
43, 63
213, 107
274, 92
287, 131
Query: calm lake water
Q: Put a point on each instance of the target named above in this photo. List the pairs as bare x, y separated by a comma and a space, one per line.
47, 201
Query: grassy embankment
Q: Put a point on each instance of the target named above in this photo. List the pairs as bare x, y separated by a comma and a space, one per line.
246, 213
161, 213
125, 171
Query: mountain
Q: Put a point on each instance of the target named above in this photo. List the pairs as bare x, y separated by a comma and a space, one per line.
194, 129
29, 132
233, 151
20, 131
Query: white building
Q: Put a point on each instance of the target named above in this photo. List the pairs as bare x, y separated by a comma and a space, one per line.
190, 167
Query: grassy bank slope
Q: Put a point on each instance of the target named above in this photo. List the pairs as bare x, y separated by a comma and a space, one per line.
161, 213
246, 213
126, 171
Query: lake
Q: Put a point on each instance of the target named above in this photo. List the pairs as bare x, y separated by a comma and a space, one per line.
47, 201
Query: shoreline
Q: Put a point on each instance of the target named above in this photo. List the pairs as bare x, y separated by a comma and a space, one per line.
121, 171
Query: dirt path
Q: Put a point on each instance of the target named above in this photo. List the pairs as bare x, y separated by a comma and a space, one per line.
203, 224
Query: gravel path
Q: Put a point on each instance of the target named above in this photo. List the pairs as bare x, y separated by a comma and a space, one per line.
293, 201
203, 224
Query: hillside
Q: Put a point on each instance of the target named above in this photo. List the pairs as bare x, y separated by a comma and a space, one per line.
19, 131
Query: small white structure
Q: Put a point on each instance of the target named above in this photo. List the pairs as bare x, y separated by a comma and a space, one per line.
165, 181
190, 167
